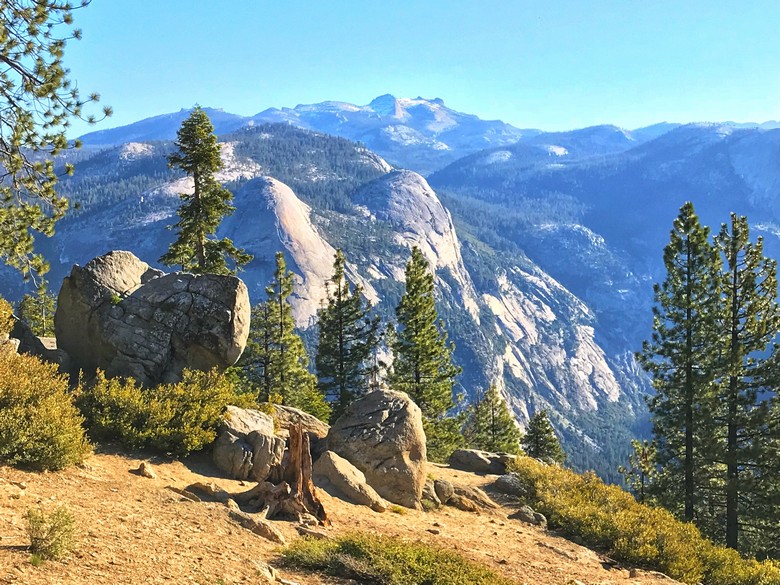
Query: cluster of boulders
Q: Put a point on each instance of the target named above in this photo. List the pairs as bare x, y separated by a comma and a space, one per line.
373, 455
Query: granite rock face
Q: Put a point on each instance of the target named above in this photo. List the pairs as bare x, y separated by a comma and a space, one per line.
119, 315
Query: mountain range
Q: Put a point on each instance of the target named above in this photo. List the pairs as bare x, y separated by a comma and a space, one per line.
545, 245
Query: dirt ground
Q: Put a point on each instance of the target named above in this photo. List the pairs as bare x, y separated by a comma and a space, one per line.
136, 530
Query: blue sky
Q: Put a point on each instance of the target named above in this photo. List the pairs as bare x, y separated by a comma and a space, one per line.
553, 65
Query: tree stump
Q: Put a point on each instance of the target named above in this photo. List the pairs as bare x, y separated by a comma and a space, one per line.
294, 495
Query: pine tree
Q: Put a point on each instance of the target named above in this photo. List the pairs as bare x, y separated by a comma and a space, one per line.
750, 322
202, 210
489, 425
681, 359
422, 359
348, 338
641, 468
275, 361
540, 440
37, 101
37, 310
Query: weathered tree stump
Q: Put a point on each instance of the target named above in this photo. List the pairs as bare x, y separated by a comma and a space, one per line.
293, 494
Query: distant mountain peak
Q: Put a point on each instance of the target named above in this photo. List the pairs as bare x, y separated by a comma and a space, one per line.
387, 105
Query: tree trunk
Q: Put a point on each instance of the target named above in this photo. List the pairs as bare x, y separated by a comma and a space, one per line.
294, 494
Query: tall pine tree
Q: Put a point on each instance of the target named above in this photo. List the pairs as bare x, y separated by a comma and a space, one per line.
202, 210
750, 322
682, 360
275, 361
348, 338
37, 101
422, 359
490, 426
540, 440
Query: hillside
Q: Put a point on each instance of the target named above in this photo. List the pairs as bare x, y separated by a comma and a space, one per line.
307, 194
137, 530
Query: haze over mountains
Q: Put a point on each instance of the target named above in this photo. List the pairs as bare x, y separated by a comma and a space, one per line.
545, 245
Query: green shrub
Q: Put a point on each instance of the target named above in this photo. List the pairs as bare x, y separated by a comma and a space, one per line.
387, 561
39, 425
610, 519
52, 536
6, 317
171, 418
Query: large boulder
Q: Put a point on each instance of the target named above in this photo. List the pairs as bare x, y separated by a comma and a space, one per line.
476, 461
119, 315
287, 417
246, 447
348, 480
382, 435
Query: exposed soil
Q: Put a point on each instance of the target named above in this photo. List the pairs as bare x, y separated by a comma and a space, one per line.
137, 530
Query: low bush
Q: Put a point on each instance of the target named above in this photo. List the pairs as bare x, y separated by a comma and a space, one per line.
39, 425
6, 317
610, 519
171, 418
52, 535
387, 561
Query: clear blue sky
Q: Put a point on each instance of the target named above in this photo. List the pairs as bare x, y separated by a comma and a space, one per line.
553, 65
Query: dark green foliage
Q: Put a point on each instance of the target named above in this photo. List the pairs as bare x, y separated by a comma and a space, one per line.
36, 102
490, 426
540, 441
39, 425
170, 418
750, 322
275, 361
680, 359
641, 469
714, 366
37, 310
198, 155
383, 560
293, 156
348, 338
106, 177
422, 359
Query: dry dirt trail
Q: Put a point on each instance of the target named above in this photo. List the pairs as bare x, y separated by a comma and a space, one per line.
137, 530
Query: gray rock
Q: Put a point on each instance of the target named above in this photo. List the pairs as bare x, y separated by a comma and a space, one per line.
42, 347
242, 421
444, 490
233, 455
474, 495
476, 461
246, 447
267, 452
510, 484
527, 514
119, 315
429, 498
541, 519
348, 480
382, 435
